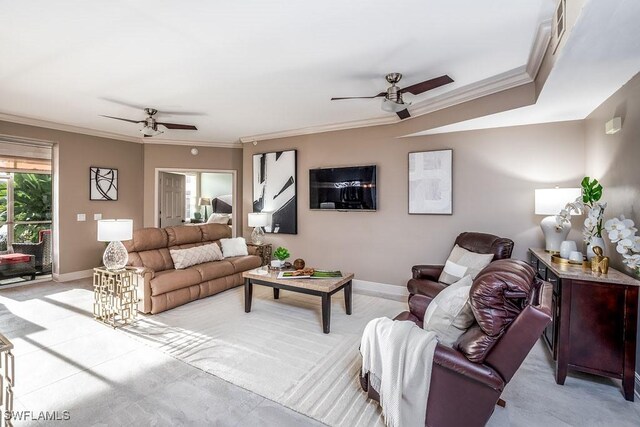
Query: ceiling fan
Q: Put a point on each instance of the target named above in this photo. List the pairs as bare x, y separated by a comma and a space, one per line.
393, 101
150, 127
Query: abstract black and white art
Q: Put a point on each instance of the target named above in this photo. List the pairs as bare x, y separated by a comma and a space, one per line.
274, 190
430, 182
103, 183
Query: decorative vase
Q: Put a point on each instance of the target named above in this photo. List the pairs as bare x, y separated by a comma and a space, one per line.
276, 263
595, 241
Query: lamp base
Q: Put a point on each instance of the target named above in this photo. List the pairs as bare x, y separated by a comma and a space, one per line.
257, 236
115, 257
552, 235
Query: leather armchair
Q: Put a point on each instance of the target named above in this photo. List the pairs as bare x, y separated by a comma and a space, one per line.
512, 307
424, 285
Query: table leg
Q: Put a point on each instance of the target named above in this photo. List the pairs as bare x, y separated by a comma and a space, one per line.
248, 291
276, 293
347, 297
326, 312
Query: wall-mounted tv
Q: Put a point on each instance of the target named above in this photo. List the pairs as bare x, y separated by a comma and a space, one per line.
343, 189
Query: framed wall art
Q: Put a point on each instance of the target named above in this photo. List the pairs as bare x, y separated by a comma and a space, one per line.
103, 183
274, 190
430, 182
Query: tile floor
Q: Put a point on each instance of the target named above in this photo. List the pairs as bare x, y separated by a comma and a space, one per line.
66, 361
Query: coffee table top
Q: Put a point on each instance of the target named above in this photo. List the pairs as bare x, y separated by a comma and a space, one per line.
322, 285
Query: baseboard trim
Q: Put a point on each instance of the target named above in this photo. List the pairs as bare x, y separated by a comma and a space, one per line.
638, 385
383, 290
74, 275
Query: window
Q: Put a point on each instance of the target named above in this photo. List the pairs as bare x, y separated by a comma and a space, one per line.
191, 195
25, 207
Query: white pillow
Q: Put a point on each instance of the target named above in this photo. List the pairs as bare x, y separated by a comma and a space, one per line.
462, 262
234, 247
183, 258
449, 314
219, 219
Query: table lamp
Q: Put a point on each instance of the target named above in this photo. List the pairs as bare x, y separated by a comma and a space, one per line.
550, 201
258, 220
114, 231
204, 201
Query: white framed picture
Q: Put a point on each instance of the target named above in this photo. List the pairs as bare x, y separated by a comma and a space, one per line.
430, 182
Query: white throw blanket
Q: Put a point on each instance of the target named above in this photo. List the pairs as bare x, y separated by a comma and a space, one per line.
398, 357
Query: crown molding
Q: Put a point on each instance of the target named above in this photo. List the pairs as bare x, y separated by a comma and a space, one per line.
321, 128
539, 48
192, 143
498, 83
29, 121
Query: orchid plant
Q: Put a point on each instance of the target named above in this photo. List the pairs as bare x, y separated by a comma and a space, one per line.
623, 232
589, 200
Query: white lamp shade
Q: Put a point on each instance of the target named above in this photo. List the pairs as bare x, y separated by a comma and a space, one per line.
550, 201
204, 201
115, 230
258, 219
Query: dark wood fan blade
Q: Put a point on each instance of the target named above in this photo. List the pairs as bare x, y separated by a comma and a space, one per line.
178, 126
147, 136
360, 97
124, 120
403, 114
419, 88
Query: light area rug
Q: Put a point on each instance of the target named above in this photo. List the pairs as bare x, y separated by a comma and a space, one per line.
277, 350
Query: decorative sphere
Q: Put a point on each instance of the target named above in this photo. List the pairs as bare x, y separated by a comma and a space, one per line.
298, 264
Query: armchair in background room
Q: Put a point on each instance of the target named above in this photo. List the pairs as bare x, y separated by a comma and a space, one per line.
40, 250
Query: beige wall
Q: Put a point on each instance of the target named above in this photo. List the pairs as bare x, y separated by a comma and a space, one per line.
78, 248
495, 174
615, 160
179, 156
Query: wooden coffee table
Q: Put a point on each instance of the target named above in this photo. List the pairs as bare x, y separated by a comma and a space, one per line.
323, 288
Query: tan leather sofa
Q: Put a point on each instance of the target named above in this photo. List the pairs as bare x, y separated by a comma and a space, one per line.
162, 287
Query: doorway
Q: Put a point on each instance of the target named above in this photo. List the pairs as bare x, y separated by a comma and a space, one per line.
26, 215
195, 196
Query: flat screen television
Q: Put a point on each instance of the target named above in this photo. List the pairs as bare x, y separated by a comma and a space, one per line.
343, 189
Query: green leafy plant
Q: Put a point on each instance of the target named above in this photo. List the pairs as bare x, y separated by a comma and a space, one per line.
281, 253
591, 190
32, 202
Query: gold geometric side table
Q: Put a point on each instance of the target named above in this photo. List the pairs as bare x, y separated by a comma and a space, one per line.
7, 380
115, 296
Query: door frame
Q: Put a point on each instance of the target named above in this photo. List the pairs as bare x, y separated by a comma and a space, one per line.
55, 180
234, 185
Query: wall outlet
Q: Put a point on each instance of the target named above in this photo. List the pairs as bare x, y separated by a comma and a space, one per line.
97, 217
81, 217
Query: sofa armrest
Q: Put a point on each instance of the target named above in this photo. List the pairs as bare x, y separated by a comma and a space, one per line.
453, 360
145, 275
427, 272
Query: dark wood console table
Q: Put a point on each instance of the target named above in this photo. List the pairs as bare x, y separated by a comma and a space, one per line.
594, 326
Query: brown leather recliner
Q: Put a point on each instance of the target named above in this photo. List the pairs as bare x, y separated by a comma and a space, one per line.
425, 277
512, 307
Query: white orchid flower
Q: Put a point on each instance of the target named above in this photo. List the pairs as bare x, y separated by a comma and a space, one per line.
590, 222
615, 235
625, 245
632, 261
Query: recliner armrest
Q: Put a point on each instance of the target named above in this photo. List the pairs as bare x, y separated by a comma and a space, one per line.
428, 272
453, 360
